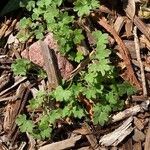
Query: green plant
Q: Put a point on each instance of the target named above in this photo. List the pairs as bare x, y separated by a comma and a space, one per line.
97, 84
21, 66
85, 6
24, 67
49, 16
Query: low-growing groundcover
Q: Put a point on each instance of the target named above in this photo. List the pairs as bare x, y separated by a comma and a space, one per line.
98, 83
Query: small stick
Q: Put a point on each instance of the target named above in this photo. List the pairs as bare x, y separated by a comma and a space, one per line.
49, 65
137, 48
20, 80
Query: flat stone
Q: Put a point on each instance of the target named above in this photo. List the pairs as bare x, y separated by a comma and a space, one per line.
34, 54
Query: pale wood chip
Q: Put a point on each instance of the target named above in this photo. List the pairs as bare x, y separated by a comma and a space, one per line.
31, 143
4, 80
129, 28
34, 92
85, 148
138, 123
22, 146
129, 7
4, 27
131, 111
115, 137
147, 141
145, 41
119, 23
11, 27
142, 27
65, 144
138, 55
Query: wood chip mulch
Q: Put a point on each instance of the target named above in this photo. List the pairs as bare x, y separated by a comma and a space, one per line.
129, 36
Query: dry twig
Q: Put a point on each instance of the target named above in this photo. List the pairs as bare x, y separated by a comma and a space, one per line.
137, 48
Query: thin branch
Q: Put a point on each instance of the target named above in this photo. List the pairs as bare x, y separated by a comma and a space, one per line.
137, 49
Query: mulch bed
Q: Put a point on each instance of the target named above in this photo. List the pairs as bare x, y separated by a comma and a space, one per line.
129, 36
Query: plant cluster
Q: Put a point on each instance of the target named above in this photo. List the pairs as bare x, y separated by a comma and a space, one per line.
50, 16
97, 83
24, 67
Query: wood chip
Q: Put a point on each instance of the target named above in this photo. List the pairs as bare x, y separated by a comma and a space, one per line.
12, 109
19, 80
138, 55
139, 125
11, 27
138, 98
128, 144
4, 80
65, 144
129, 28
4, 27
129, 7
138, 135
119, 24
22, 146
145, 41
147, 141
115, 137
138, 146
31, 143
131, 47
91, 138
131, 111
114, 148
84, 148
50, 65
142, 27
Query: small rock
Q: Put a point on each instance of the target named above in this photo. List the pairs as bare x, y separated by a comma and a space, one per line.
34, 54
